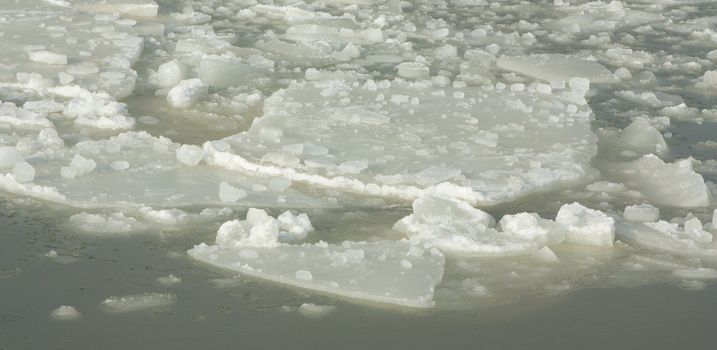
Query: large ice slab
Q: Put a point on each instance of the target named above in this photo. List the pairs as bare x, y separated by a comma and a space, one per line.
556, 68
392, 272
397, 138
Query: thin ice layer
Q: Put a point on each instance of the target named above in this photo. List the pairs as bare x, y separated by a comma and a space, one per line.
557, 67
386, 272
398, 138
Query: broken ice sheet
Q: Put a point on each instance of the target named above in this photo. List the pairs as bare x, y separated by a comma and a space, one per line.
557, 68
135, 169
392, 272
397, 138
385, 272
97, 51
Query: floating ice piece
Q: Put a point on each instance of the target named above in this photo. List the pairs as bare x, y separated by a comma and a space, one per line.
78, 166
111, 223
261, 230
66, 313
674, 184
664, 236
641, 213
47, 57
556, 67
219, 71
371, 271
693, 229
641, 137
229, 193
23, 172
171, 73
140, 8
649, 98
169, 280
9, 157
189, 155
455, 227
186, 93
708, 82
138, 302
598, 16
413, 70
486, 144
586, 226
315, 310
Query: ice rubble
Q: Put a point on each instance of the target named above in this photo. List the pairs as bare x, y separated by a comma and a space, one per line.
390, 272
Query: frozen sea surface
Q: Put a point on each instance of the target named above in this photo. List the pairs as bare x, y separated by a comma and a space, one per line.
307, 161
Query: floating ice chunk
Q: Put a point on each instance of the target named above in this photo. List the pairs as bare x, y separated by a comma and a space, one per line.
546, 254
455, 227
652, 99
641, 213
315, 310
220, 71
47, 57
9, 157
377, 277
229, 193
261, 230
693, 229
597, 16
664, 236
186, 93
171, 73
190, 155
140, 8
137, 302
66, 313
674, 184
586, 226
714, 220
23, 172
78, 166
556, 67
101, 223
169, 280
165, 217
641, 137
413, 70
708, 81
